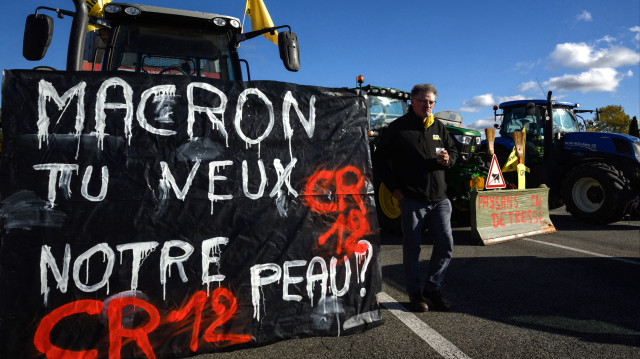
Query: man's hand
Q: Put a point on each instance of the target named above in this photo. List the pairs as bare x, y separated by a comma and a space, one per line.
443, 157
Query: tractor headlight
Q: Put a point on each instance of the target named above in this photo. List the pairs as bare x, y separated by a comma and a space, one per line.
219, 21
133, 11
478, 141
112, 9
636, 150
463, 139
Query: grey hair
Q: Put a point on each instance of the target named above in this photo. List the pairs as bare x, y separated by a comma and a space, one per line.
423, 88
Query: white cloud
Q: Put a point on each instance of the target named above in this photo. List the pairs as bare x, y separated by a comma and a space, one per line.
636, 29
480, 125
511, 98
477, 102
584, 16
528, 86
524, 67
581, 55
469, 109
594, 80
607, 39
482, 100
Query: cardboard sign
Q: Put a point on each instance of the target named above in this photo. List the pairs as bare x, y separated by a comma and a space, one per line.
504, 215
163, 216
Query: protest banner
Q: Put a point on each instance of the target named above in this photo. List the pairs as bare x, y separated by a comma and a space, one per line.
152, 216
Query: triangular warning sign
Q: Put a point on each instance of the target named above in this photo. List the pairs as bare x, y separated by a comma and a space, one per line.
494, 177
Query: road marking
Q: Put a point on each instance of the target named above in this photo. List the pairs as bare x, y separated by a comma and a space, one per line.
585, 252
424, 331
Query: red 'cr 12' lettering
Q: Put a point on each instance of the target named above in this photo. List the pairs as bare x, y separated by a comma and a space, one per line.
223, 303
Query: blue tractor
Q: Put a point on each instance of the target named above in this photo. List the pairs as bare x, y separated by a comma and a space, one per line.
595, 175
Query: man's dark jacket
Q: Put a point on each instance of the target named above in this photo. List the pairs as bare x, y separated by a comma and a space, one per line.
406, 159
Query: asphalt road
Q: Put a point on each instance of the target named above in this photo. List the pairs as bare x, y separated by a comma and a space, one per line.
570, 294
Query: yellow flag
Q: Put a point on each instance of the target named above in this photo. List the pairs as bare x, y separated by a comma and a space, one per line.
260, 18
512, 160
96, 8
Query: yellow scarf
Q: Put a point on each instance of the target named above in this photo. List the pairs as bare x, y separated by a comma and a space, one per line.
428, 122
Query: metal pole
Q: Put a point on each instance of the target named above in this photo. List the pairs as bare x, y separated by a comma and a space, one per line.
77, 35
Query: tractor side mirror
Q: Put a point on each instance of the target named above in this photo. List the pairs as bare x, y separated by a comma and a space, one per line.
38, 30
289, 50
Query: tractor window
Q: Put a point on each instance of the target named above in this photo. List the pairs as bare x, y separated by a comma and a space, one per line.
94, 46
564, 121
384, 110
515, 119
197, 52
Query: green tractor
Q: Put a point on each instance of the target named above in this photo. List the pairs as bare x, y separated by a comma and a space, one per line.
470, 170
387, 104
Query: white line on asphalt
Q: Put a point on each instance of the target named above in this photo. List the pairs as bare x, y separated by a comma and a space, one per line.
424, 331
585, 252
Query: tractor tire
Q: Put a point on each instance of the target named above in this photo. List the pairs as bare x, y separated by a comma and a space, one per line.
595, 193
387, 209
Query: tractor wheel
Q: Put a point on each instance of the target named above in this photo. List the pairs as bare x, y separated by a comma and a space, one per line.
595, 193
387, 209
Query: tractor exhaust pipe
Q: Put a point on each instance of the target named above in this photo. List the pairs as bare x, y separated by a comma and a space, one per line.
77, 36
548, 127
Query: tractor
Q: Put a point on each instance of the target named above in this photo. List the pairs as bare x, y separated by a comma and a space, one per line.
595, 175
150, 39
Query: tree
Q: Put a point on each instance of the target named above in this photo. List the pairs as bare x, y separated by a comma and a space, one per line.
633, 127
612, 119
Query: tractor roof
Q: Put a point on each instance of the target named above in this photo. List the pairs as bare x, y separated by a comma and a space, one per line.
537, 102
387, 91
157, 14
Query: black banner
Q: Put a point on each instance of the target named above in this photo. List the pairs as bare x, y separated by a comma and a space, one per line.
159, 216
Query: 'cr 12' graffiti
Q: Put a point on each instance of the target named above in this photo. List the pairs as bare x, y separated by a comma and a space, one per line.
222, 301
347, 184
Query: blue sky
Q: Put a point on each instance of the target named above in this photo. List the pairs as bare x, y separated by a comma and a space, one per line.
476, 53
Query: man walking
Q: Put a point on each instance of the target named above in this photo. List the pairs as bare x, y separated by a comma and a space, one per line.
414, 152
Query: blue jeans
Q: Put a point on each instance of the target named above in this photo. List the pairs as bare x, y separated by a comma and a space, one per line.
437, 218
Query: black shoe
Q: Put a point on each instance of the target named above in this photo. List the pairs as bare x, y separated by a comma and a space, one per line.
417, 304
438, 302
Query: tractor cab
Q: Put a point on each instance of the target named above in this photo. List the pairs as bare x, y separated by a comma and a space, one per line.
531, 116
155, 40
385, 106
